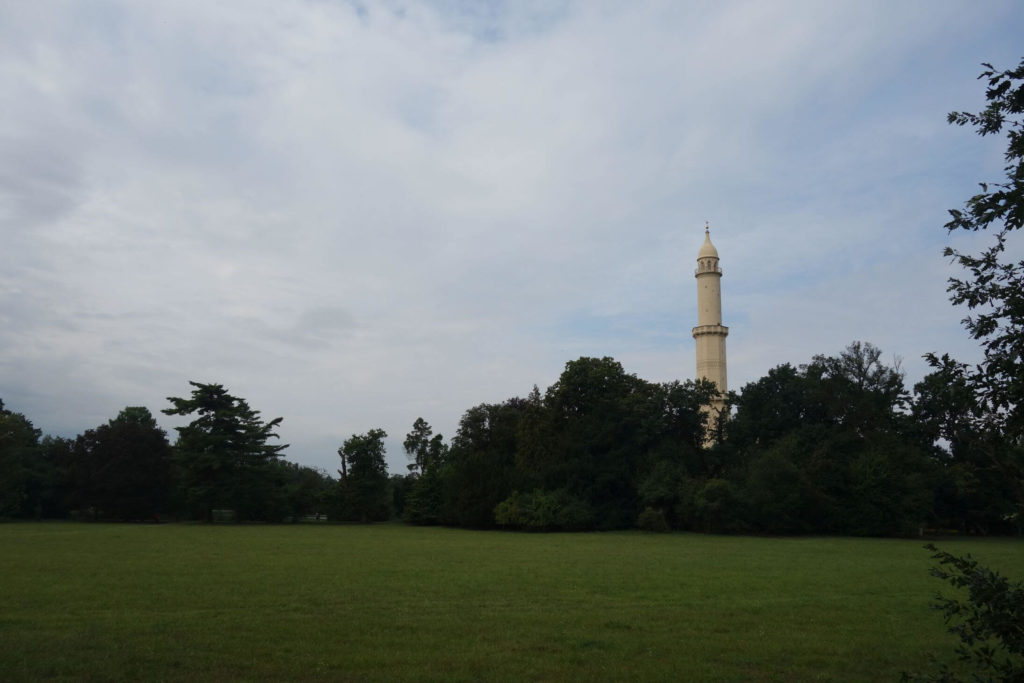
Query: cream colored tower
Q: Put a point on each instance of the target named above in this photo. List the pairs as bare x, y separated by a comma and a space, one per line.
710, 334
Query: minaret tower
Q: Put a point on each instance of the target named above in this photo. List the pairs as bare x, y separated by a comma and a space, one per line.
710, 334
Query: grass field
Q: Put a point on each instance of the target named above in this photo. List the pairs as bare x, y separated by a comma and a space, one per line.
389, 602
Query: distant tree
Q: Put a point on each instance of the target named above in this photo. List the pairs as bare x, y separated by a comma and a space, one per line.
606, 444
829, 447
856, 389
770, 408
398, 485
364, 488
307, 490
122, 469
784, 498
222, 457
946, 409
673, 418
882, 485
596, 427
973, 494
424, 497
423, 447
19, 441
49, 489
480, 469
672, 450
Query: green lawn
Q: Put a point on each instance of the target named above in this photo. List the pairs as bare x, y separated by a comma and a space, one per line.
188, 602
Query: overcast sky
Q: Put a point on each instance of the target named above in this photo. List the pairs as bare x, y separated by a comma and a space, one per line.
356, 214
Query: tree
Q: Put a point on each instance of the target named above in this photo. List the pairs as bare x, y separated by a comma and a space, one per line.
993, 290
423, 447
946, 409
123, 469
18, 444
222, 456
307, 489
783, 497
770, 408
596, 425
856, 389
424, 498
602, 445
480, 469
672, 455
828, 448
881, 486
365, 485
48, 491
972, 494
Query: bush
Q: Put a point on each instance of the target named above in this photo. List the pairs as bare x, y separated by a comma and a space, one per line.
718, 507
652, 520
544, 511
990, 622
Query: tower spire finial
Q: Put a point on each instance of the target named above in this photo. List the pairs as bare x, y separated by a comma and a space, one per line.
707, 228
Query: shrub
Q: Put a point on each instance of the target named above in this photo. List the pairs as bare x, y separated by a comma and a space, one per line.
718, 507
544, 511
990, 622
652, 520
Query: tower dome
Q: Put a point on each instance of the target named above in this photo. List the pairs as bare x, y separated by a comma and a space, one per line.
707, 250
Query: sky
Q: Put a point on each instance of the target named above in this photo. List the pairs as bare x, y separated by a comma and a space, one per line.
354, 214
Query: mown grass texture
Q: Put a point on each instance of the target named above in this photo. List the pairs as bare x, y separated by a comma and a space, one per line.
390, 602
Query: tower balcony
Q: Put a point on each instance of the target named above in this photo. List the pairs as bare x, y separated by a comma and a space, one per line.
707, 267
710, 330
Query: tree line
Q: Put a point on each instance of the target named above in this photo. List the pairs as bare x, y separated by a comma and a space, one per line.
836, 445
127, 469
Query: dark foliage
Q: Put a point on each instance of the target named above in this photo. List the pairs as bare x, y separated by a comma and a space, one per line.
829, 449
307, 490
424, 497
826, 448
122, 470
19, 440
480, 469
989, 623
993, 290
223, 459
363, 490
973, 492
600, 446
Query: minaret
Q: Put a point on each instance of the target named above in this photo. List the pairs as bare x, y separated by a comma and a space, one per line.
710, 334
